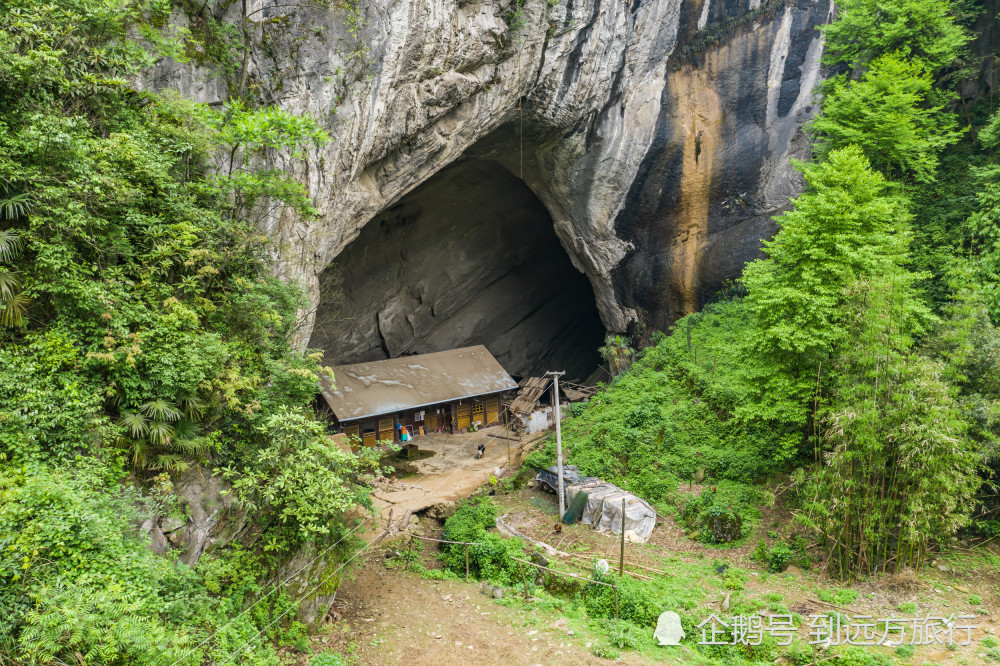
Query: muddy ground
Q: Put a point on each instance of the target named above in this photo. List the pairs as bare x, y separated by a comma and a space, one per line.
387, 615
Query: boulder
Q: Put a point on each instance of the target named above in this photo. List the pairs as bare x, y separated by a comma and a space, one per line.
725, 528
441, 511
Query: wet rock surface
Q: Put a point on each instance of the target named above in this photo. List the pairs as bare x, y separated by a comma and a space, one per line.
468, 258
655, 133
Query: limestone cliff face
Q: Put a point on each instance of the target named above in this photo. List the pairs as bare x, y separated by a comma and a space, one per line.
656, 133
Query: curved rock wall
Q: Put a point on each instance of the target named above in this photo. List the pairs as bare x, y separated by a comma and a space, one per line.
467, 258
656, 132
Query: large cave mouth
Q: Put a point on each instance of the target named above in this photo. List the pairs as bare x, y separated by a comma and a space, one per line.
469, 257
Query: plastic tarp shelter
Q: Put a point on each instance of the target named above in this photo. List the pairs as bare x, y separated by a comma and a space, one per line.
550, 477
603, 511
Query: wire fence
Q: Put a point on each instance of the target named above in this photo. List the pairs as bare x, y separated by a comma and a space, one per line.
520, 562
285, 581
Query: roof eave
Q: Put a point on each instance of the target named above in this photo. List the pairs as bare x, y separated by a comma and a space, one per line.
412, 407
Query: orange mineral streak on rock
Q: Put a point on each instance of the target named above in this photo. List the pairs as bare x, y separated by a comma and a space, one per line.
699, 121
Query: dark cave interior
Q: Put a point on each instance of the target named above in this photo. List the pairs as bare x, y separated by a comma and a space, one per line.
469, 257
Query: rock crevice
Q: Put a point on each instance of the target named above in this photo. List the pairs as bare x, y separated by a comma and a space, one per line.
655, 133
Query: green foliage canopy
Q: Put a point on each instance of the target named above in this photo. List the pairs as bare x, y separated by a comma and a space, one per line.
141, 334
893, 113
900, 472
847, 226
923, 31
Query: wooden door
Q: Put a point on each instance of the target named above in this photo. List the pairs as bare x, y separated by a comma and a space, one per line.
385, 430
370, 438
462, 416
353, 436
477, 413
492, 410
432, 422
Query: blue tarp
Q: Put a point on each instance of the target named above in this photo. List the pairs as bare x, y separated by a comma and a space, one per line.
550, 477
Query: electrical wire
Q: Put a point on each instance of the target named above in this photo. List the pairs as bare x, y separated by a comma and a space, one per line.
328, 549
361, 550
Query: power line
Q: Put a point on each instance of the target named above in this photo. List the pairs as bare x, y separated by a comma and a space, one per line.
361, 550
285, 612
328, 549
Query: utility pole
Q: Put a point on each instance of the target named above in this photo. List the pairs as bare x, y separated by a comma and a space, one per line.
559, 458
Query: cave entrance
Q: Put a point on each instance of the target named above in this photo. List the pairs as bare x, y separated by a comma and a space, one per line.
469, 257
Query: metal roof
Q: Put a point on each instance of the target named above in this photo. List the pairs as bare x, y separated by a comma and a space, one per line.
531, 392
385, 387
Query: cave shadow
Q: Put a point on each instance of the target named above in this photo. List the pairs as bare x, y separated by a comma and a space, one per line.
468, 257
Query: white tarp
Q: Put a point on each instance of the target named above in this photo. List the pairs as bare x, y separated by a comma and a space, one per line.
604, 509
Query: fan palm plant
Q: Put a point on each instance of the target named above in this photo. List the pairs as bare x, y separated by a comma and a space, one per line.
617, 352
13, 301
10, 242
162, 436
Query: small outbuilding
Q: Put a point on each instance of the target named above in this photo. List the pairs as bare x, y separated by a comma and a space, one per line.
450, 391
607, 507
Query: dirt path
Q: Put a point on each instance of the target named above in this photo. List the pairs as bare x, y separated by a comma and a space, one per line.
395, 617
452, 472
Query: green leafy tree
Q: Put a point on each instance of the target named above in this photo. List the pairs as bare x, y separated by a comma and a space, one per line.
303, 477
847, 226
982, 228
968, 344
922, 31
893, 113
120, 236
149, 337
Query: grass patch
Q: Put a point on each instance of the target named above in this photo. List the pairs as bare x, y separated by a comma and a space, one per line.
838, 596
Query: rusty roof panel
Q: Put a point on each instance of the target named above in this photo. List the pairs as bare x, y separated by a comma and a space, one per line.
531, 392
385, 387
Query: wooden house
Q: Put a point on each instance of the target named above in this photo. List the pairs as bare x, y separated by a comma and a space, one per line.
447, 391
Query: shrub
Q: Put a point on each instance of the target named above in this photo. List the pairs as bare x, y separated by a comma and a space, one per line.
637, 602
490, 557
776, 558
624, 635
723, 512
78, 583
326, 659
